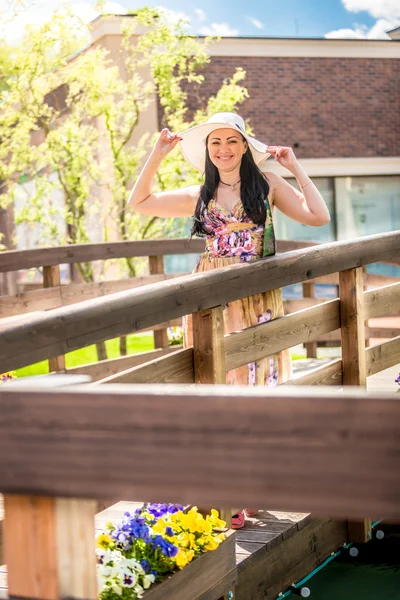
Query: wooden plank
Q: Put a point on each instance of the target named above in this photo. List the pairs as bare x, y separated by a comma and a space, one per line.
292, 306
65, 295
208, 346
176, 367
272, 572
118, 314
352, 315
51, 278
199, 576
330, 374
76, 559
310, 347
268, 338
1, 541
209, 364
352, 326
383, 356
327, 453
359, 531
30, 547
106, 368
382, 302
12, 260
156, 267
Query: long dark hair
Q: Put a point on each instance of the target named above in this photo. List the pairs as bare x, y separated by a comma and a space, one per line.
254, 190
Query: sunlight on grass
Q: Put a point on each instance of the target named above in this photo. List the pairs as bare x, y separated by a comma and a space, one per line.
85, 356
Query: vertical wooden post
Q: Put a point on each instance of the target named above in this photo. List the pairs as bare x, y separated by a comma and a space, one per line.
49, 547
351, 293
209, 359
365, 288
311, 347
156, 267
51, 278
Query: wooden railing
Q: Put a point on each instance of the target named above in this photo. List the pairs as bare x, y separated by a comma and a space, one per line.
61, 449
20, 308
64, 329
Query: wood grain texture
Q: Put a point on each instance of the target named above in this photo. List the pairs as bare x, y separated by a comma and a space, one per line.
51, 278
76, 559
208, 346
267, 338
359, 531
12, 260
310, 347
68, 328
383, 356
272, 572
30, 547
200, 576
327, 453
352, 317
65, 295
330, 374
107, 368
156, 267
175, 367
382, 302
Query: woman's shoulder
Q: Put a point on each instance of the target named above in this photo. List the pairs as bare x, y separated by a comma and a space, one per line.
273, 181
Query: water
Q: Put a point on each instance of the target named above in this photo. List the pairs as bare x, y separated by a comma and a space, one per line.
373, 575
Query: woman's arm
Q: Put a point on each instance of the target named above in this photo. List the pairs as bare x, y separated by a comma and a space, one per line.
174, 203
308, 206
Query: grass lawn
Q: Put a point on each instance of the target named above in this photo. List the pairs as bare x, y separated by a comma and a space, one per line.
85, 356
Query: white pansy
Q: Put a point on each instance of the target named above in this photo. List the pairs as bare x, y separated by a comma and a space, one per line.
117, 589
148, 580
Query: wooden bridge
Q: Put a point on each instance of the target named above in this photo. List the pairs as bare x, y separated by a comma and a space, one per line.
328, 451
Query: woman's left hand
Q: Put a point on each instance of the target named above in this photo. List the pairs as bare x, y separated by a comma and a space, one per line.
284, 155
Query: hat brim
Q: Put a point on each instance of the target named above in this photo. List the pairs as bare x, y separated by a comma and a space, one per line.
193, 144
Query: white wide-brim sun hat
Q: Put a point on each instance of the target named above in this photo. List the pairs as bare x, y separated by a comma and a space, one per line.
193, 143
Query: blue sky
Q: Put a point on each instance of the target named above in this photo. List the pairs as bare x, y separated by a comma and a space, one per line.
284, 18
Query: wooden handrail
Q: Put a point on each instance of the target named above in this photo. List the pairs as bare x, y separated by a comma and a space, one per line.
326, 452
14, 260
68, 328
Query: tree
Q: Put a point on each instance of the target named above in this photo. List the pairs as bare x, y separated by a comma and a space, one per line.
58, 110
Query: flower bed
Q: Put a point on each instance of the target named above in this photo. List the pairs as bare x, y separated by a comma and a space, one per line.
164, 552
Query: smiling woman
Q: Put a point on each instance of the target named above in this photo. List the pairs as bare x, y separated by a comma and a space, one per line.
232, 210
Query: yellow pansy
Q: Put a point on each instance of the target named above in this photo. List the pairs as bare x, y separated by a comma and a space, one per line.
103, 540
215, 521
183, 558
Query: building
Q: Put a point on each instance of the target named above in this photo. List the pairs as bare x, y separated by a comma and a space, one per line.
335, 101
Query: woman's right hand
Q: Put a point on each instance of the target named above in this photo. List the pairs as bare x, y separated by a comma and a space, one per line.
165, 143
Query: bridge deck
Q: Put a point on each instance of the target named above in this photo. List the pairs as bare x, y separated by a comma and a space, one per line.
274, 548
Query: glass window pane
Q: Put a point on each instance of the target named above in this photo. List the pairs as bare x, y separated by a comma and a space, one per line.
287, 229
367, 206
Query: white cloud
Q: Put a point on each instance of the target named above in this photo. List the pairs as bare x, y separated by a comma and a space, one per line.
359, 32
380, 9
387, 13
200, 14
255, 22
174, 16
222, 29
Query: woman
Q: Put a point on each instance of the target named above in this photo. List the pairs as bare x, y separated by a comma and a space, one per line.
233, 209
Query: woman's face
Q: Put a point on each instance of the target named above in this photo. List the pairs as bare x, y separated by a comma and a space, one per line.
226, 148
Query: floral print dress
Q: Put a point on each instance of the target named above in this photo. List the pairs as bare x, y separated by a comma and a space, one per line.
233, 238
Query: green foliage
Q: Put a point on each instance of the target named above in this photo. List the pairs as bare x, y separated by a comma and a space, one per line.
67, 123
